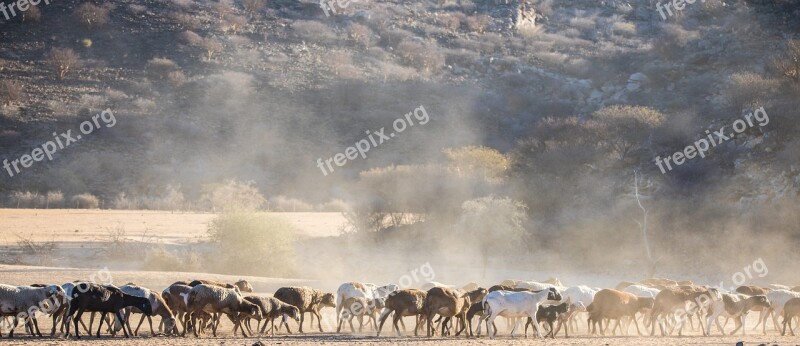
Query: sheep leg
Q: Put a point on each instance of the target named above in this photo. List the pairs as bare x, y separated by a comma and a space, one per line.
739, 324
314, 312
122, 320
150, 321
383, 318
141, 320
302, 318
760, 317
100, 325
352, 328
75, 320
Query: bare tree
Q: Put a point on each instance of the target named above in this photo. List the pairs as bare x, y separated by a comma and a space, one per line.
652, 263
212, 46
62, 60
92, 16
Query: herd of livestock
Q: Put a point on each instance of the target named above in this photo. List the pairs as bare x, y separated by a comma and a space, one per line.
198, 306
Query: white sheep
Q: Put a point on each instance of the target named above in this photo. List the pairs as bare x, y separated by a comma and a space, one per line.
26, 301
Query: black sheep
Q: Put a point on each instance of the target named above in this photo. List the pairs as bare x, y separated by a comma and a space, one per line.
103, 299
549, 314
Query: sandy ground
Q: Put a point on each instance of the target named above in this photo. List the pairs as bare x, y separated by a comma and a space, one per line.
81, 226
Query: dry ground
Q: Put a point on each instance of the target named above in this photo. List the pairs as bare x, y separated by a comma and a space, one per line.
81, 226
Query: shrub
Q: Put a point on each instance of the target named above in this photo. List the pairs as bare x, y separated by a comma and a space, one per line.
54, 199
252, 243
251, 7
184, 20
747, 88
487, 163
212, 46
85, 201
62, 60
788, 63
234, 196
623, 128
222, 8
452, 21
160, 68
478, 23
10, 92
286, 204
233, 23
92, 16
314, 31
159, 258
360, 34
425, 57
190, 38
33, 14
27, 199
176, 78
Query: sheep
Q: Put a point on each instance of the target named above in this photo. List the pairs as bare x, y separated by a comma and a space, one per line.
538, 286
306, 299
431, 284
778, 299
734, 306
175, 298
359, 306
271, 308
25, 301
357, 289
212, 283
613, 304
158, 305
574, 295
215, 299
475, 295
754, 291
790, 310
514, 304
510, 282
448, 303
103, 299
406, 302
671, 298
551, 314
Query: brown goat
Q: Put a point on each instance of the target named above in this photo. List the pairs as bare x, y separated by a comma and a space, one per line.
790, 310
406, 302
447, 302
614, 305
306, 299
672, 298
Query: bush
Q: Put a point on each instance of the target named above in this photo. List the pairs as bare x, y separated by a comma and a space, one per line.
251, 7
10, 92
234, 196
92, 16
54, 199
313, 31
421, 56
360, 34
159, 258
286, 204
62, 60
191, 38
746, 89
33, 14
487, 163
85, 201
336, 205
478, 23
212, 46
176, 78
252, 244
788, 64
160, 68
27, 199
